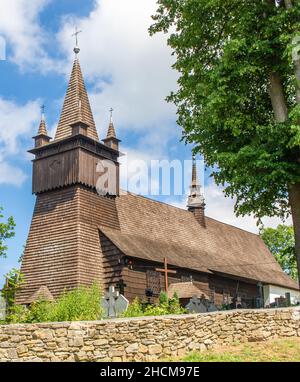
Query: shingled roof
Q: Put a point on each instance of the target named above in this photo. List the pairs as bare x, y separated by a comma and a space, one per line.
185, 290
76, 94
42, 294
151, 230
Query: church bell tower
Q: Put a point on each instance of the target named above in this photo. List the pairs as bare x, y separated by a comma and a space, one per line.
63, 249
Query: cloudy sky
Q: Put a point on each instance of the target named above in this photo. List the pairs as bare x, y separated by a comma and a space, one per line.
124, 68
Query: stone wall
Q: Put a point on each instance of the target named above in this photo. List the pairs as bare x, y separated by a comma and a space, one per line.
143, 339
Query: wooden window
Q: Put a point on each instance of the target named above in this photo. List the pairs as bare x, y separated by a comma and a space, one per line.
153, 282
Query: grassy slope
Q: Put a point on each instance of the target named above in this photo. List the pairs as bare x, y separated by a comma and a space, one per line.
281, 350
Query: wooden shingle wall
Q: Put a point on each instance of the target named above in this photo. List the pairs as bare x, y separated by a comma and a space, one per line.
63, 247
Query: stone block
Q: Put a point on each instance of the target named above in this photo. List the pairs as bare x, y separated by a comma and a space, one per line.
132, 348
155, 349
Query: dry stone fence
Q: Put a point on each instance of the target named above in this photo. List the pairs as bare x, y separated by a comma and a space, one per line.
143, 339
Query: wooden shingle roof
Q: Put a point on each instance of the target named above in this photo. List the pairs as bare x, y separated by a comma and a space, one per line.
185, 290
76, 94
152, 230
42, 294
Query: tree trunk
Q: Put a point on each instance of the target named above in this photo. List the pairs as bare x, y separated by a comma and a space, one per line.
294, 200
280, 109
288, 4
297, 75
281, 115
277, 98
296, 57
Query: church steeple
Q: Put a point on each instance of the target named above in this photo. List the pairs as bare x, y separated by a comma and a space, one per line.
76, 104
196, 202
111, 139
42, 137
76, 154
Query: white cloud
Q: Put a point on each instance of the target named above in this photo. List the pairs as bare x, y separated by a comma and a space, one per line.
11, 175
130, 70
17, 123
19, 26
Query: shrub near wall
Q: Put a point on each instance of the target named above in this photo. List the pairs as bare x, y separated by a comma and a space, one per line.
143, 339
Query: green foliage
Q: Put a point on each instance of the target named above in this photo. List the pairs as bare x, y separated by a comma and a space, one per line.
17, 314
165, 306
135, 309
6, 232
81, 304
14, 281
163, 298
225, 51
281, 243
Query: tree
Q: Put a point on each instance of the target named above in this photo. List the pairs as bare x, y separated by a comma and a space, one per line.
13, 284
6, 232
238, 99
281, 243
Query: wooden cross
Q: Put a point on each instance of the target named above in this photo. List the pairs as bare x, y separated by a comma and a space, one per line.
165, 270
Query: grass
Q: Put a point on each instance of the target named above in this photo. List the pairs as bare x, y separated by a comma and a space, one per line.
279, 350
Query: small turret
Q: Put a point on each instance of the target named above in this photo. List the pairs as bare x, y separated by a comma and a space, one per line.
42, 138
111, 139
196, 202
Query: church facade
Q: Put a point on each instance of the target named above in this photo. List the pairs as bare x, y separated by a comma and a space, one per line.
139, 245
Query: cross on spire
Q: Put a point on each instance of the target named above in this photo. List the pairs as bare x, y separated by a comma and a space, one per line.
43, 112
111, 113
76, 49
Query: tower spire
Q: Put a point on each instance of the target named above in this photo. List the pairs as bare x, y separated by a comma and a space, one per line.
42, 128
196, 202
111, 139
76, 107
111, 133
42, 137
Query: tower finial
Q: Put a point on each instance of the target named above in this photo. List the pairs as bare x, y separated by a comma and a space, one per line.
76, 49
43, 112
111, 115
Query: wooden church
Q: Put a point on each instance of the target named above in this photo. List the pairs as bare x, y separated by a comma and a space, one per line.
139, 245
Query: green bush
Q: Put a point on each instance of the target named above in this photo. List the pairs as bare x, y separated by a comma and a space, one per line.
81, 304
165, 306
135, 309
16, 314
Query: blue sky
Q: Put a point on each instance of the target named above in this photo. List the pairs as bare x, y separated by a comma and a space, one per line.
123, 67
